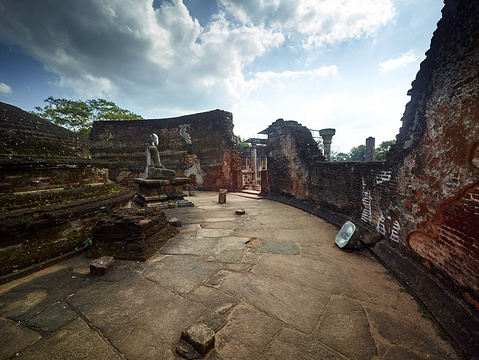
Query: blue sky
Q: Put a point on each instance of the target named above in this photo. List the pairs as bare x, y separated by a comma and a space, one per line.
325, 63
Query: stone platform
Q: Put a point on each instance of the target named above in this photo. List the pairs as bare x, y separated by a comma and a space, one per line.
270, 283
160, 192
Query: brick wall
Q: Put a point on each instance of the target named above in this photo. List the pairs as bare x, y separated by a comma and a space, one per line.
291, 156
436, 157
199, 146
24, 134
424, 199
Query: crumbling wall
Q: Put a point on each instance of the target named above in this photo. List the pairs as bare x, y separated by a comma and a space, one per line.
425, 198
199, 146
51, 193
291, 154
24, 134
436, 156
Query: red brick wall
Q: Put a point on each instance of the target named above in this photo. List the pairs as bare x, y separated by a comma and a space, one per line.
199, 146
436, 154
425, 199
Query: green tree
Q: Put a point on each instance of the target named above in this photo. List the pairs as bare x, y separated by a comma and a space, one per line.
383, 149
341, 157
358, 153
78, 116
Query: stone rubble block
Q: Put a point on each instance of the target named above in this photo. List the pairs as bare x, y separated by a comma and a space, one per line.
102, 265
175, 222
200, 336
132, 234
370, 238
187, 351
240, 212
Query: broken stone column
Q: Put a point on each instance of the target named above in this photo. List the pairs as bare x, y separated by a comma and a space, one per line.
370, 149
327, 135
222, 196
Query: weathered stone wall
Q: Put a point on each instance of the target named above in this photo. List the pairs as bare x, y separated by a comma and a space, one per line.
24, 134
199, 146
425, 199
436, 159
292, 154
51, 193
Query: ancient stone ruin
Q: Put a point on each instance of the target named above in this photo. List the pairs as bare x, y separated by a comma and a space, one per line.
160, 186
52, 193
199, 146
423, 202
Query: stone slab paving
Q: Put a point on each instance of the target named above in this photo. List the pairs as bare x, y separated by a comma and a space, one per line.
270, 283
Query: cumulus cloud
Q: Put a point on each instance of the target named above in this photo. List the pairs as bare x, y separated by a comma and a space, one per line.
401, 61
163, 59
320, 22
129, 50
5, 89
267, 76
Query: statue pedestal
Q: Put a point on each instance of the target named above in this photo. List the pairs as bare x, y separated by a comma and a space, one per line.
162, 192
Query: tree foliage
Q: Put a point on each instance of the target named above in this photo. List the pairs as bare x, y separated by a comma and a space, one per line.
383, 149
358, 153
78, 116
340, 156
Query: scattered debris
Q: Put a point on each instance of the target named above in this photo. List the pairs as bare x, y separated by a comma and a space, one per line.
200, 337
102, 265
254, 241
175, 222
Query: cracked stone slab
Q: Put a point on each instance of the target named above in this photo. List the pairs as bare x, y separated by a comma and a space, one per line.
74, 341
31, 297
140, 318
53, 317
276, 247
297, 306
292, 344
247, 334
229, 250
15, 337
194, 246
345, 328
404, 334
181, 273
214, 233
214, 299
326, 276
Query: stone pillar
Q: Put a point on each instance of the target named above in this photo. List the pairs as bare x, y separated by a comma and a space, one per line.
264, 182
327, 135
254, 163
370, 147
222, 196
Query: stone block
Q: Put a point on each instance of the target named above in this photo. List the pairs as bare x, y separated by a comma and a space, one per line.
200, 336
175, 222
240, 212
222, 196
187, 351
102, 265
370, 238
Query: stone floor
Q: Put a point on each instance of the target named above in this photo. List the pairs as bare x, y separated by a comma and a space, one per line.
270, 283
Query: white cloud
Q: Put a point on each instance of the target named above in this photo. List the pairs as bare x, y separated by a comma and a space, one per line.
320, 22
401, 61
264, 77
5, 89
131, 53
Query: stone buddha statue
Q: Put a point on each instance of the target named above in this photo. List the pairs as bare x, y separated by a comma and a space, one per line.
154, 167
